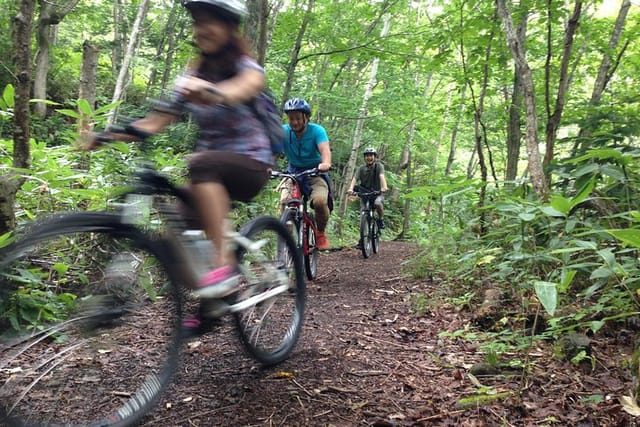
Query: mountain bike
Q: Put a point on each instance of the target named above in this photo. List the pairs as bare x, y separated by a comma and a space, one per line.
369, 230
299, 221
104, 295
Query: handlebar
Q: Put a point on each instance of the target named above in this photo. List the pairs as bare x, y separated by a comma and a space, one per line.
367, 193
295, 176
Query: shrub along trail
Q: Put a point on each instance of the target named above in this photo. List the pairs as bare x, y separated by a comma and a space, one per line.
371, 355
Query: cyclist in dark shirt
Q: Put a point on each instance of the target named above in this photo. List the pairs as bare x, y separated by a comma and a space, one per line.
370, 177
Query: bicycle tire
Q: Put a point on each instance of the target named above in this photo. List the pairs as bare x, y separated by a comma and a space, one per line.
375, 236
290, 221
365, 236
99, 282
311, 254
270, 329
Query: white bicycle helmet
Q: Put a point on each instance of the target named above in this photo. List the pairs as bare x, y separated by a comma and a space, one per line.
234, 8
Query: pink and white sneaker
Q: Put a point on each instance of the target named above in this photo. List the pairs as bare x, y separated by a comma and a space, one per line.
218, 283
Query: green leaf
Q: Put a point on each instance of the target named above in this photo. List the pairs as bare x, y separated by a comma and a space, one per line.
596, 325
84, 107
628, 236
583, 193
547, 293
60, 268
67, 112
601, 273
550, 211
8, 96
560, 204
527, 217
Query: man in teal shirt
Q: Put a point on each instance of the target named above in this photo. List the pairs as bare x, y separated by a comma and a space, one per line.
306, 146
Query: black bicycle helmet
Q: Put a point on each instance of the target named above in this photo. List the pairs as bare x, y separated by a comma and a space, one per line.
232, 9
370, 150
297, 104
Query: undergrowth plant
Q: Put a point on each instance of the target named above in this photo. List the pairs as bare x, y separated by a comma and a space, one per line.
574, 257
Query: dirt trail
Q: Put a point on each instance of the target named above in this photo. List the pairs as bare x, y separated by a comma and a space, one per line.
367, 359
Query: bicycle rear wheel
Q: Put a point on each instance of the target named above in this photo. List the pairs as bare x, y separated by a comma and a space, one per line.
365, 236
311, 255
92, 323
270, 329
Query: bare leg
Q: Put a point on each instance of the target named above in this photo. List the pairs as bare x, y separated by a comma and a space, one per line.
213, 205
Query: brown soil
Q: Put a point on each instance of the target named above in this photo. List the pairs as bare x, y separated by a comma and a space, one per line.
367, 357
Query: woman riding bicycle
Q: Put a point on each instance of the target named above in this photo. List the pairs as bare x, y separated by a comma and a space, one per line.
232, 155
370, 177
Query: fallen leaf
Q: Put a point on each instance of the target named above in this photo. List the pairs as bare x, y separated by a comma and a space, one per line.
630, 405
284, 374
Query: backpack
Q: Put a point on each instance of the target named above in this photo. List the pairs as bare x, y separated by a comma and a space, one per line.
266, 110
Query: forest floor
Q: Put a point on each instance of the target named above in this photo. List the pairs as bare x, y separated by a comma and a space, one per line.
372, 354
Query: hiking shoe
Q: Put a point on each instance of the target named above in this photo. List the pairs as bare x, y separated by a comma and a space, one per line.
321, 242
381, 224
218, 283
196, 325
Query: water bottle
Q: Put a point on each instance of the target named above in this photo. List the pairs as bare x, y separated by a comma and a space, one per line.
200, 251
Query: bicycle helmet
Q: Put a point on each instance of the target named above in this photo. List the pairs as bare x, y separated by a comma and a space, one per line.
297, 104
233, 9
370, 150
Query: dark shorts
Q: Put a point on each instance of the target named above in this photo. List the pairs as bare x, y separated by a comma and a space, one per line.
242, 176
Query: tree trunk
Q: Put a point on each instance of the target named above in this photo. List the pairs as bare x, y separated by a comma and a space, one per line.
357, 135
88, 76
454, 133
165, 44
295, 52
406, 209
256, 27
538, 179
514, 131
124, 69
51, 14
118, 39
605, 71
479, 127
10, 183
553, 120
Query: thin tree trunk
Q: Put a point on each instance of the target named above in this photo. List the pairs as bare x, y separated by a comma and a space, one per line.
479, 128
454, 133
406, 208
10, 183
514, 131
357, 135
295, 52
51, 14
124, 69
538, 178
166, 44
118, 39
553, 120
607, 66
88, 76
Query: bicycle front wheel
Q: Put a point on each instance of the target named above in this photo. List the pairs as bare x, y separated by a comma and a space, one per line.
91, 321
270, 328
311, 253
375, 236
290, 222
365, 236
